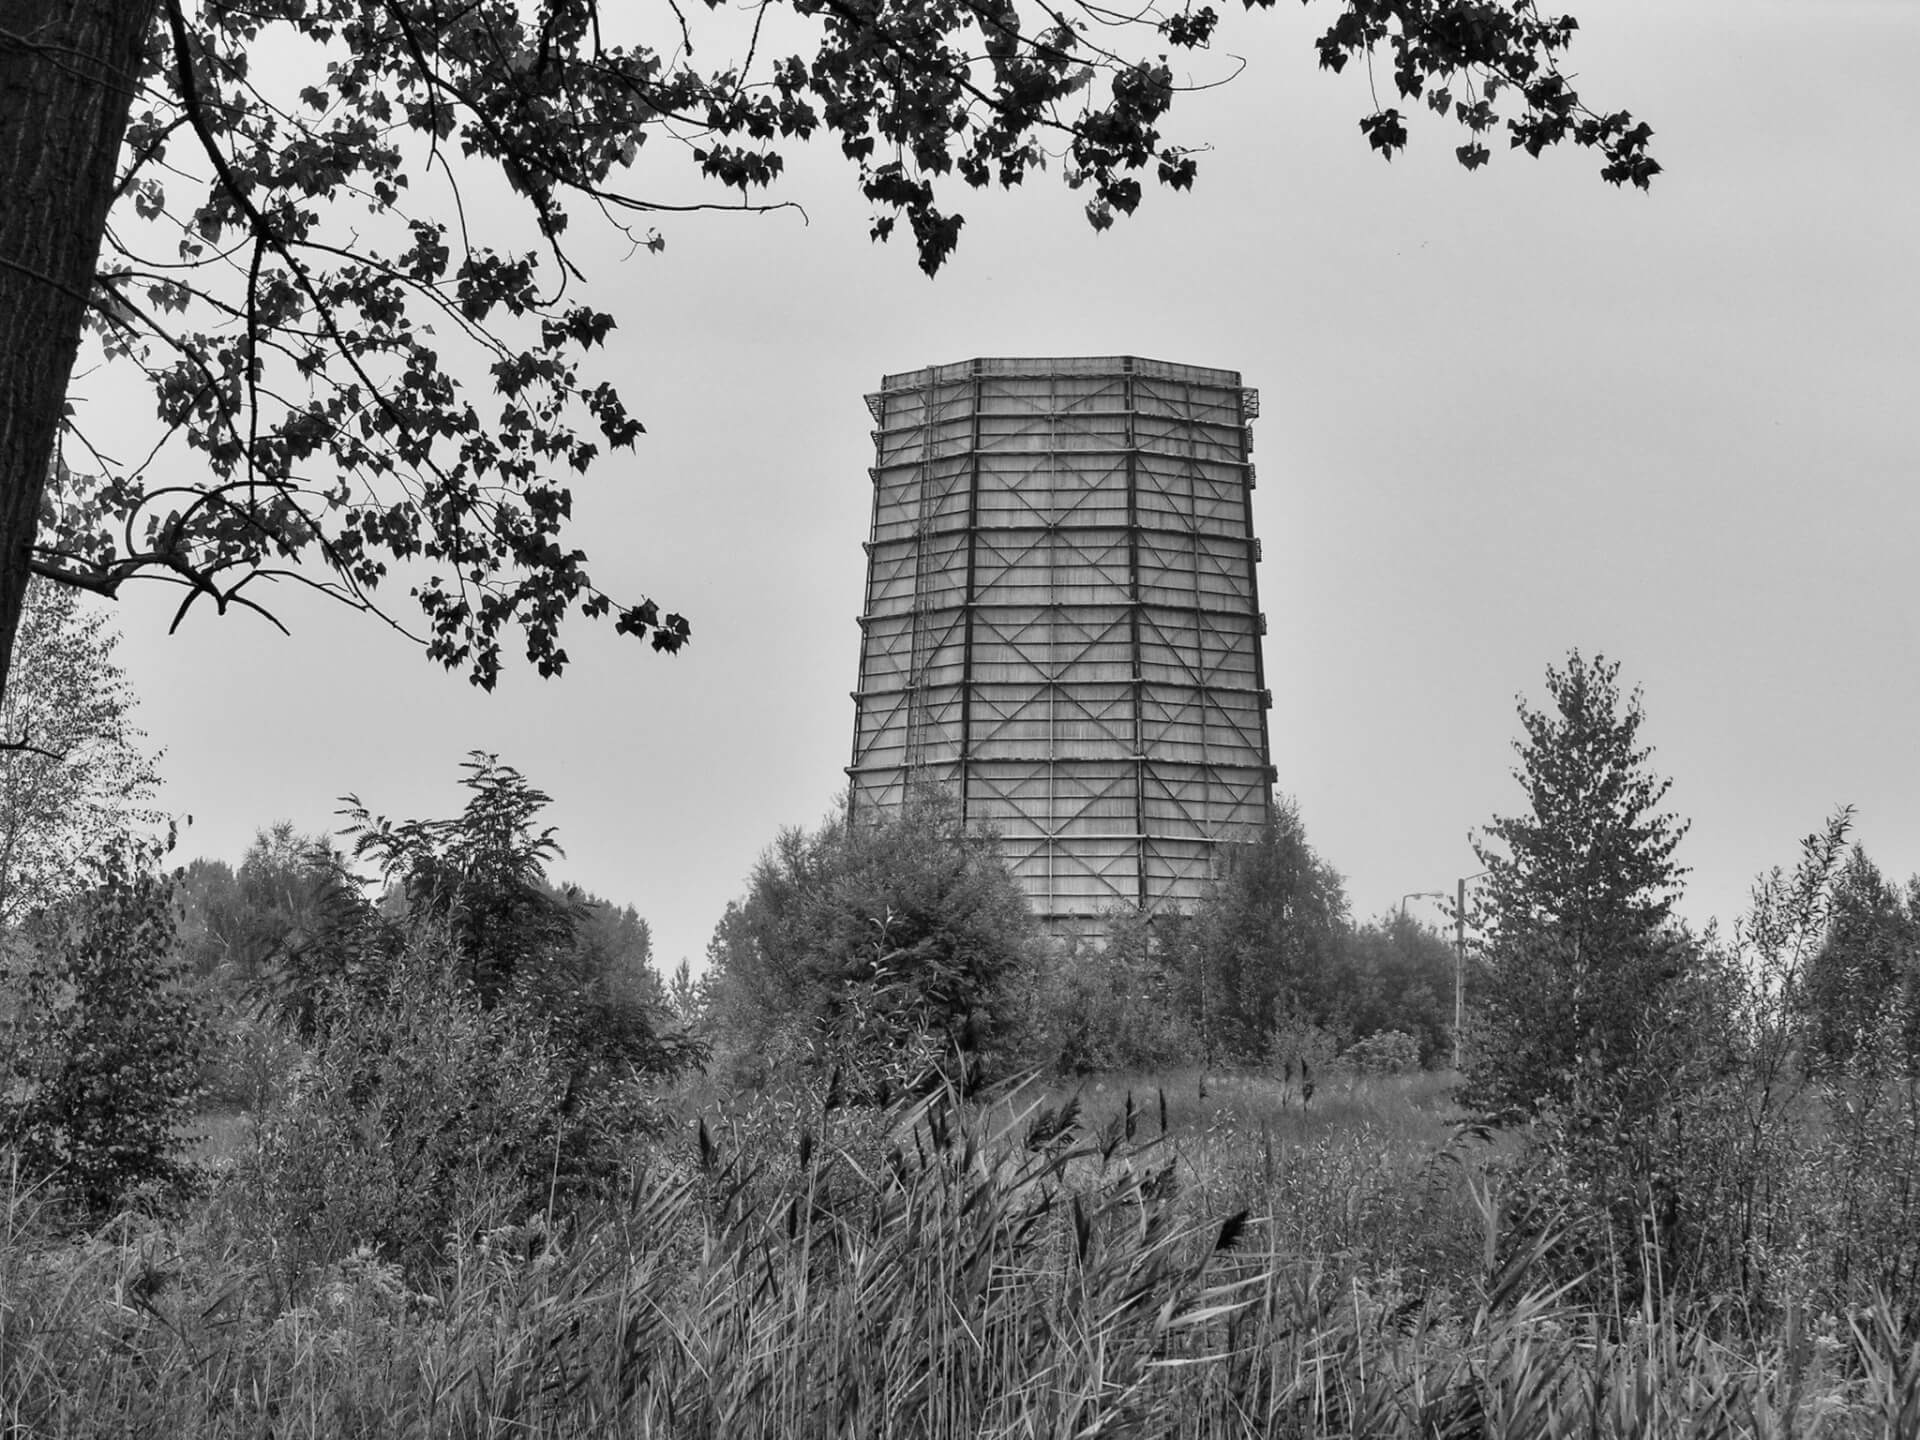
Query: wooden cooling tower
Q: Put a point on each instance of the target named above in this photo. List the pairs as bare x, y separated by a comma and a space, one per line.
1062, 625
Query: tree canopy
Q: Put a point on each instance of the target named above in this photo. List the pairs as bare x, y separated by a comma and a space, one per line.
260, 206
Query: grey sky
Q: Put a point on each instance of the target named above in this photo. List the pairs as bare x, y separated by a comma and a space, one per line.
1502, 414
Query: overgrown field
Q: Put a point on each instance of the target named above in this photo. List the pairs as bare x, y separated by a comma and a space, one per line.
1170, 1255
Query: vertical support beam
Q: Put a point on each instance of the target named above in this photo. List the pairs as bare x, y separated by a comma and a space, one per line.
1249, 407
1136, 667
877, 408
920, 622
1206, 676
1459, 968
1050, 675
969, 600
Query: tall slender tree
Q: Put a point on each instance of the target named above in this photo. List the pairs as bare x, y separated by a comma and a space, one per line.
1579, 891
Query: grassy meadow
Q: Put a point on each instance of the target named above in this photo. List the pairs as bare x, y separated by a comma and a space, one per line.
1165, 1255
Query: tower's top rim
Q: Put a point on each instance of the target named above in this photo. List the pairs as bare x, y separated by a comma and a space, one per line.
1041, 367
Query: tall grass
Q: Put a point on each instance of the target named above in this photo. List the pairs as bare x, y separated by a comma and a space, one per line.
1026, 1268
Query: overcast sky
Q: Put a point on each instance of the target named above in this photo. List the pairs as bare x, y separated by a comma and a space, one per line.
1503, 414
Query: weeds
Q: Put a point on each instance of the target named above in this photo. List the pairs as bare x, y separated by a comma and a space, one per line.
1018, 1267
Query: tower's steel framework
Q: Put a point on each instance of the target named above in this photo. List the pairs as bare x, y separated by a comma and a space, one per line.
1062, 624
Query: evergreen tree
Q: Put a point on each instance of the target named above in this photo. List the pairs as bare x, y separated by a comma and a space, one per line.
1578, 894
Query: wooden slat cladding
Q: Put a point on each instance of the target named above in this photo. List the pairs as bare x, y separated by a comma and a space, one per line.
1062, 619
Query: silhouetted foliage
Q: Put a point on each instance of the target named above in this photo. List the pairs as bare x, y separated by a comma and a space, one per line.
479, 876
278, 264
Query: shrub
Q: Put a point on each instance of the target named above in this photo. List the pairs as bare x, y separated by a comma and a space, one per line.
477, 885
103, 1052
1105, 1005
1710, 1174
420, 1114
1297, 1046
899, 932
1387, 1052
1399, 975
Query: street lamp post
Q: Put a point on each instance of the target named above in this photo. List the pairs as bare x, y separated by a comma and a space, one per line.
1459, 968
1419, 895
1460, 963
1459, 950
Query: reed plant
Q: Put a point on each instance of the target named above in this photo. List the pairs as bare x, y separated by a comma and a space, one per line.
1029, 1266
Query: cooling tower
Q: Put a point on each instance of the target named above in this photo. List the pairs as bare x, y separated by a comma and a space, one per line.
1062, 625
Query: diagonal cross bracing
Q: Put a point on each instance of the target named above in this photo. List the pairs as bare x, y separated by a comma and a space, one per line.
1062, 618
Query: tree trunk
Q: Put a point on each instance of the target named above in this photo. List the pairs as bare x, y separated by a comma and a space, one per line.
66, 91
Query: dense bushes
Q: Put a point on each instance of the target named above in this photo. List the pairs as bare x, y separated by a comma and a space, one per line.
471, 1037
419, 1111
891, 942
1264, 946
1397, 976
463, 1202
475, 1047
1002, 1269
1265, 969
1716, 1171
904, 936
1861, 997
103, 1043
1091, 1006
